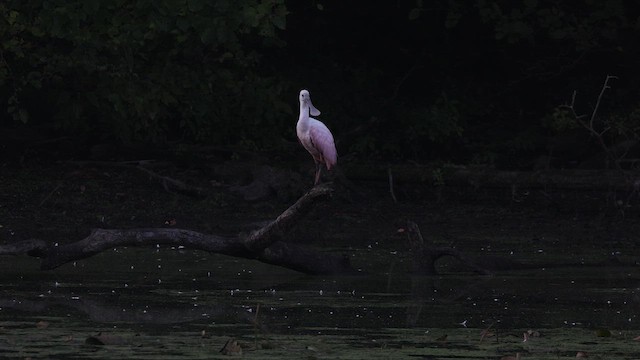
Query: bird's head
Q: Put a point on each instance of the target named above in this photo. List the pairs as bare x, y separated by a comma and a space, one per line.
305, 100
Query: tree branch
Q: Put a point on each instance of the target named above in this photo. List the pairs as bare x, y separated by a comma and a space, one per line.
262, 245
265, 236
605, 86
590, 126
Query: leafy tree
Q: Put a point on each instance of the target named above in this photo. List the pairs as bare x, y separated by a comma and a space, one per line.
453, 80
141, 70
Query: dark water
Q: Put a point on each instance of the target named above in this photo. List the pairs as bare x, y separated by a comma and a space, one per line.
173, 303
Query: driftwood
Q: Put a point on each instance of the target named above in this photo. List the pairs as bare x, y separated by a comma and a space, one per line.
425, 254
264, 244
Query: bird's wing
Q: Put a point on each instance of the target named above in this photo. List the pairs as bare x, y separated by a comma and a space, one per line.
323, 142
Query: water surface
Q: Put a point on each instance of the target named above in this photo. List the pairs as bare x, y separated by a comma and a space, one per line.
182, 304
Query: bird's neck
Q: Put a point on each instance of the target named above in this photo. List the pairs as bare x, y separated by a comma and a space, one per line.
303, 119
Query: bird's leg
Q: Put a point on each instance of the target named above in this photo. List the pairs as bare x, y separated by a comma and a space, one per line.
318, 170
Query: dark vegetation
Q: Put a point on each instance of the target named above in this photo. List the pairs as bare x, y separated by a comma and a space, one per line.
481, 82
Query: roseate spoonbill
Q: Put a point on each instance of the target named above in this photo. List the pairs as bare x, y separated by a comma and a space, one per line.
315, 136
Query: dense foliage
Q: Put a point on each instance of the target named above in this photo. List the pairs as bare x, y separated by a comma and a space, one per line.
455, 80
141, 70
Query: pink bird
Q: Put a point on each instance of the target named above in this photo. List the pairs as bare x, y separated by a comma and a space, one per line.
315, 136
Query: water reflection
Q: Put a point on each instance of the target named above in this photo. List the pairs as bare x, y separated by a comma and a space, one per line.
127, 286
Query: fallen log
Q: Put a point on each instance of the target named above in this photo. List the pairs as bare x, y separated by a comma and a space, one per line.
264, 244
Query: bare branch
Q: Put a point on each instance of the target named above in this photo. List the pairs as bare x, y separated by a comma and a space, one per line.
590, 126
605, 86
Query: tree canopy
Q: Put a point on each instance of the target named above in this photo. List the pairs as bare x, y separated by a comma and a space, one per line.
480, 81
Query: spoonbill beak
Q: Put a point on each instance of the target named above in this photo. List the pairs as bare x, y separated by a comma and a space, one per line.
312, 109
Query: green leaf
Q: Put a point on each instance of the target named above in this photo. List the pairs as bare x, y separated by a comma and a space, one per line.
13, 16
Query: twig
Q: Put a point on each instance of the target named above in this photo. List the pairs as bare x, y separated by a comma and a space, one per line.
255, 326
255, 318
49, 195
393, 194
417, 65
590, 126
485, 333
605, 86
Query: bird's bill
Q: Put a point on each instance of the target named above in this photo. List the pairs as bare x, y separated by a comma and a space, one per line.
312, 109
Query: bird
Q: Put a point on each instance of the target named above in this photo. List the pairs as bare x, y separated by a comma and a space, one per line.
315, 136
